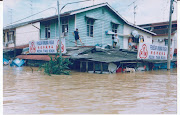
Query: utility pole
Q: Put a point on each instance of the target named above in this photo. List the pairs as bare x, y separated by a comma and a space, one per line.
60, 53
169, 35
59, 18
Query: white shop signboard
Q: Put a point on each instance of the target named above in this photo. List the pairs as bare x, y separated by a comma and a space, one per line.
46, 46
153, 52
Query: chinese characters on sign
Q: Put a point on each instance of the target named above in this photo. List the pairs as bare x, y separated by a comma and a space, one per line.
153, 52
46, 46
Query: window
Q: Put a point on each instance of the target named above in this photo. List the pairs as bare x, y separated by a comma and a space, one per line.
161, 27
114, 29
4, 40
135, 40
10, 36
65, 26
47, 30
90, 28
166, 42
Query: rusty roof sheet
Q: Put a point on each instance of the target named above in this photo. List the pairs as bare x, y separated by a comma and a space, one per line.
17, 47
37, 57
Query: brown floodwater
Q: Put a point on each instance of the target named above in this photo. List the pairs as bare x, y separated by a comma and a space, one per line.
151, 92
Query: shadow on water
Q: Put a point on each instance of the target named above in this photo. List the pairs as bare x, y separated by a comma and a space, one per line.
151, 92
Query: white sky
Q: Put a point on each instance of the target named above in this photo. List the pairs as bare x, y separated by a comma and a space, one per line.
148, 11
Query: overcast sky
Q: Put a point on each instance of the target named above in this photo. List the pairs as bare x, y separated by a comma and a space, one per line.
147, 11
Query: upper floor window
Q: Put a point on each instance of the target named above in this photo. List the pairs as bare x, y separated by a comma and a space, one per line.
4, 39
135, 40
10, 36
90, 27
47, 30
166, 42
114, 29
65, 26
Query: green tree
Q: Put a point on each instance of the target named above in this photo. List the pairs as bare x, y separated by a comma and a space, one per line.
57, 65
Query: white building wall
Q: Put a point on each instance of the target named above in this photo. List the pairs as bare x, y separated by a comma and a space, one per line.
27, 33
159, 40
175, 40
127, 31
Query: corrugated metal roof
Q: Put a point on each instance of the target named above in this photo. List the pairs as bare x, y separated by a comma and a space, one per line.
113, 55
37, 57
161, 31
17, 47
72, 12
21, 24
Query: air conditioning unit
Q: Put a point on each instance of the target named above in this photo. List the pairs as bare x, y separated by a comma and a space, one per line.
160, 40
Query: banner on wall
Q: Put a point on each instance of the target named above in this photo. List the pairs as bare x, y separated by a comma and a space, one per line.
46, 46
153, 52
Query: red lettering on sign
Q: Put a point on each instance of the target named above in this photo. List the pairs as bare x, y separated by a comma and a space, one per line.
62, 47
143, 52
32, 48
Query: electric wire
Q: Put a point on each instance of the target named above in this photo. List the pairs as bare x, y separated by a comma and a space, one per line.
31, 15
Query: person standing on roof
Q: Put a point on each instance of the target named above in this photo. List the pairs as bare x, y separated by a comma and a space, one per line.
116, 39
76, 36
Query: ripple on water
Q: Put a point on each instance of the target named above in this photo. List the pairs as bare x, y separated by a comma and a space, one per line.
150, 92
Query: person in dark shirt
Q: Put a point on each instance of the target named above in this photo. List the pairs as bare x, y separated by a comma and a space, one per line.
76, 36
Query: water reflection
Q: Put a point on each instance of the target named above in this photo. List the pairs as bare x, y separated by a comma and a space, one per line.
145, 92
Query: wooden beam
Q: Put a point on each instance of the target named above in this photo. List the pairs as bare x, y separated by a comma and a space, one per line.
94, 67
87, 66
80, 66
101, 68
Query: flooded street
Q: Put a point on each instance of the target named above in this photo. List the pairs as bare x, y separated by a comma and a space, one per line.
151, 92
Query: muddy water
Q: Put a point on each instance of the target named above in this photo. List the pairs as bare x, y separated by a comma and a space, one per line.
146, 92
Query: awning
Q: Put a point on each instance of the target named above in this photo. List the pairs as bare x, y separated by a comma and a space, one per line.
91, 17
119, 34
37, 57
115, 23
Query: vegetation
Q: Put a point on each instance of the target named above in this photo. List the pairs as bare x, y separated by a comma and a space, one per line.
57, 65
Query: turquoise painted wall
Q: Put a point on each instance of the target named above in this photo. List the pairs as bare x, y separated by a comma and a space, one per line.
102, 24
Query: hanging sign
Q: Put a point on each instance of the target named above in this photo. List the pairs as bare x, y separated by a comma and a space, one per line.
46, 46
153, 52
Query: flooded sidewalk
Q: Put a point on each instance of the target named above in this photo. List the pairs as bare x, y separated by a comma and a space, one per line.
151, 92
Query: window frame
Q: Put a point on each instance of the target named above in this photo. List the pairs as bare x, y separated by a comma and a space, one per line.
48, 30
10, 36
166, 42
114, 29
4, 37
90, 27
66, 24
